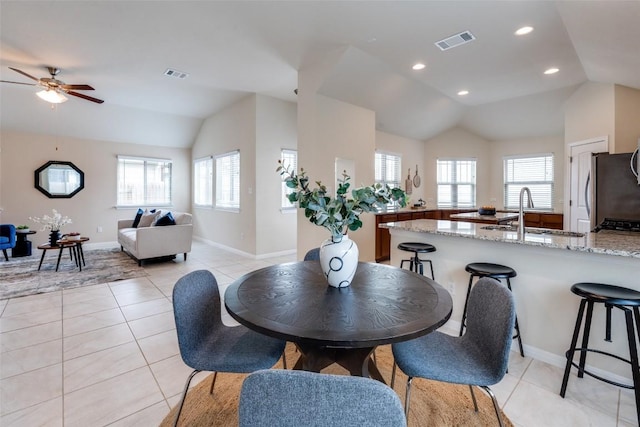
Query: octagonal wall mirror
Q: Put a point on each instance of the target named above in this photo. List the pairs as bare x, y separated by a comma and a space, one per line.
59, 180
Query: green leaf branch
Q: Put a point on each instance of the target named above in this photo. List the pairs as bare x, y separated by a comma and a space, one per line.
341, 213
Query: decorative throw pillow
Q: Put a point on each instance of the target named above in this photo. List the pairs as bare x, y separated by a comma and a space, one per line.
136, 221
147, 219
166, 220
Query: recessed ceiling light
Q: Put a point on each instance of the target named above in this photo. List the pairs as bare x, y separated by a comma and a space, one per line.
552, 70
524, 30
463, 92
419, 66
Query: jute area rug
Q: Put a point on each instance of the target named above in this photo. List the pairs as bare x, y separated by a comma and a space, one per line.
432, 403
20, 276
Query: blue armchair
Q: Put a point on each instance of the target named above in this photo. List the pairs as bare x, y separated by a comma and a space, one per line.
7, 238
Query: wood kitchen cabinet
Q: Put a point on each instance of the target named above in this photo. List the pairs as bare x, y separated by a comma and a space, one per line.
544, 220
383, 238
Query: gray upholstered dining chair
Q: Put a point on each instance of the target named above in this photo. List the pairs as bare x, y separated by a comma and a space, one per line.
299, 398
206, 344
312, 255
478, 358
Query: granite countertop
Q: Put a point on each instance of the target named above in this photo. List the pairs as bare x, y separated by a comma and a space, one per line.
619, 243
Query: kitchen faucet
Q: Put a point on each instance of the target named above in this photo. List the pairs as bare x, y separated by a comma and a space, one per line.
521, 210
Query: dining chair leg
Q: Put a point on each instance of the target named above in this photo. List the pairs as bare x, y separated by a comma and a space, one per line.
213, 382
496, 407
184, 395
393, 374
473, 397
407, 397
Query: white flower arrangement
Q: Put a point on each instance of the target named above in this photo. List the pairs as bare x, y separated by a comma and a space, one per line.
52, 223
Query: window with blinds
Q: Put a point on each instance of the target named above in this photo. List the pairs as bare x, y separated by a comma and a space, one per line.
387, 169
535, 172
203, 182
289, 160
143, 182
456, 180
228, 181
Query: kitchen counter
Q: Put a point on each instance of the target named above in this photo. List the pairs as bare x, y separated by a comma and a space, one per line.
548, 262
497, 218
618, 243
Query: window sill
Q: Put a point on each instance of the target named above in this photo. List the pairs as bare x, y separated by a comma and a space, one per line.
233, 210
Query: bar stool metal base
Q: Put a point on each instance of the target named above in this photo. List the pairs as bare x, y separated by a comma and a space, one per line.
626, 300
415, 263
495, 271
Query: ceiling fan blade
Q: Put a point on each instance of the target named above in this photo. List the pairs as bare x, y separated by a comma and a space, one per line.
88, 98
77, 87
23, 73
18, 83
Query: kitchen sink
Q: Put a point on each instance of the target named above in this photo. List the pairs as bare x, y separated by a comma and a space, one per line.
530, 230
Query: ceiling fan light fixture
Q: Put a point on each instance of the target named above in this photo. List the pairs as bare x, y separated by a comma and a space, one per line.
52, 96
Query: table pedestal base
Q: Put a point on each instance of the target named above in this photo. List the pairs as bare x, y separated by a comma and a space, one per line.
356, 360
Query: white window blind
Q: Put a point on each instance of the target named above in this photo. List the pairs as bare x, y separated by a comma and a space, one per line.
387, 169
143, 182
203, 181
228, 180
289, 160
535, 172
456, 179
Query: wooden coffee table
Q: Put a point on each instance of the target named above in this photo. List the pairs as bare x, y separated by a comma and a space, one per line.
75, 251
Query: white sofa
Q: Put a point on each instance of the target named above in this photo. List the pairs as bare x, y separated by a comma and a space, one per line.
156, 241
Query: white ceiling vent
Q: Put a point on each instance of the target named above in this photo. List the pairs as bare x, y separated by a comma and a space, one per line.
175, 73
455, 40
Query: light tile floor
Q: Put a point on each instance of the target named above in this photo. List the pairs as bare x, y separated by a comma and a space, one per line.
108, 355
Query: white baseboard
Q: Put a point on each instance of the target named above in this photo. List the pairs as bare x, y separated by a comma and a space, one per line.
242, 253
101, 245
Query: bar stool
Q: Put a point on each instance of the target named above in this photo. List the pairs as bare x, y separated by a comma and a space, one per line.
611, 296
415, 263
495, 271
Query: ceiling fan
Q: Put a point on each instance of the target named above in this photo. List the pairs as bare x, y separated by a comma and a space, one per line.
53, 90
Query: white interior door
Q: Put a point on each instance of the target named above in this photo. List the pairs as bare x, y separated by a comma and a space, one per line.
580, 184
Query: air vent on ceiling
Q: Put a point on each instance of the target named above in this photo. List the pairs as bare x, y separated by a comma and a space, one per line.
175, 73
455, 40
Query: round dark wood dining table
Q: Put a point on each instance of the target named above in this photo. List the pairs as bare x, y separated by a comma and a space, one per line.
383, 305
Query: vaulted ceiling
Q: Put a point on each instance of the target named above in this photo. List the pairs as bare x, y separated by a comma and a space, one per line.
235, 48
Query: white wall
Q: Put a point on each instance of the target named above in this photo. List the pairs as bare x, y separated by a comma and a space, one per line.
23, 153
276, 128
489, 168
627, 120
330, 129
412, 153
259, 126
458, 143
589, 113
232, 129
529, 146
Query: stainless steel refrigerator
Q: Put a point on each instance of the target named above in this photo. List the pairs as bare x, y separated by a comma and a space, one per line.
615, 193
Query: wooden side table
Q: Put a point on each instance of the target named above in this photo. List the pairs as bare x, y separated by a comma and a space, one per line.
77, 249
61, 246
